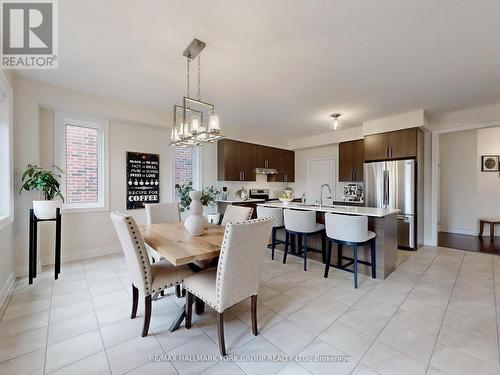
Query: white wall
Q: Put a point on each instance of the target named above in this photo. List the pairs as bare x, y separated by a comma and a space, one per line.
123, 137
466, 193
458, 182
7, 238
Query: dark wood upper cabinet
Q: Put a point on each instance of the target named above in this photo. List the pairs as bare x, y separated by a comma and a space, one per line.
376, 147
359, 160
237, 161
399, 144
351, 160
403, 144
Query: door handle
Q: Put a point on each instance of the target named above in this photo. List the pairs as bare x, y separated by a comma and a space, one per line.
390, 152
386, 188
285, 178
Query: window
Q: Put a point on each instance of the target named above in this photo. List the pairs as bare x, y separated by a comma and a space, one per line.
6, 181
81, 152
187, 167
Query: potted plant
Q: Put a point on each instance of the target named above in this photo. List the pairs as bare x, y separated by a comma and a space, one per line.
208, 199
46, 182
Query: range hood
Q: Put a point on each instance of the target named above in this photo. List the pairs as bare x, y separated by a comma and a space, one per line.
266, 171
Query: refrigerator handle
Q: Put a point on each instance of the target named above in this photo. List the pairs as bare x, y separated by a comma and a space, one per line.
386, 188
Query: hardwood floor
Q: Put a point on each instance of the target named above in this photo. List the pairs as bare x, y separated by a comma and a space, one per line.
469, 243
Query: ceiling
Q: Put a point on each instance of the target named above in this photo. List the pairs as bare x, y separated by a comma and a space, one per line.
283, 66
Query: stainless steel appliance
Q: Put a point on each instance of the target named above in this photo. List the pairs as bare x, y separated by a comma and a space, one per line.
260, 194
393, 184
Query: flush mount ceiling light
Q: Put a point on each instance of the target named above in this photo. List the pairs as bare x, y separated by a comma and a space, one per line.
195, 121
336, 121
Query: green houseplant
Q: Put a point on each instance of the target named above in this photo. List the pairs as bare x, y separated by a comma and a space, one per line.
208, 195
46, 181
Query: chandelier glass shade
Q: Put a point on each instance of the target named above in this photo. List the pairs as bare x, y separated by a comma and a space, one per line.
195, 122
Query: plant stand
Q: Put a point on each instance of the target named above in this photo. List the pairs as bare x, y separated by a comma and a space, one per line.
33, 236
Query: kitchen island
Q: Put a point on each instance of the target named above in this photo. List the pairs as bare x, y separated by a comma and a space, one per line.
381, 221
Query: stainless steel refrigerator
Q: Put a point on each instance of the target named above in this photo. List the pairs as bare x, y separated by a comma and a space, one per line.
392, 184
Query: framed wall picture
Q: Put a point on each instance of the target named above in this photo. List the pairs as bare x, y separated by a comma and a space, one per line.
143, 179
489, 163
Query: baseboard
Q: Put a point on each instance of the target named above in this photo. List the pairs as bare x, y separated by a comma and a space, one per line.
69, 256
7, 289
458, 231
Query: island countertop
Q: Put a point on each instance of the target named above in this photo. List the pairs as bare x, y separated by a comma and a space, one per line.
346, 210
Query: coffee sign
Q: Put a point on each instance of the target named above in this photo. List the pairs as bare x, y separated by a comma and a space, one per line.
143, 179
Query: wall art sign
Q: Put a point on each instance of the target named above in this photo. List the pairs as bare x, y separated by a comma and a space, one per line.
143, 179
489, 163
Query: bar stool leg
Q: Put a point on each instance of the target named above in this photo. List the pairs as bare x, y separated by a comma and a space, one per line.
355, 256
339, 254
273, 245
492, 232
287, 240
374, 262
30, 276
305, 252
328, 258
323, 247
481, 228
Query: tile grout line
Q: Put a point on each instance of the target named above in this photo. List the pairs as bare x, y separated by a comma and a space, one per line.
95, 315
496, 307
392, 316
446, 312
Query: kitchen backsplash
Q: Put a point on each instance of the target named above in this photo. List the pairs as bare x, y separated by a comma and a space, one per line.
276, 188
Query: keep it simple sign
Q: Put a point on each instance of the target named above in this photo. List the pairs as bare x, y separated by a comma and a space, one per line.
29, 34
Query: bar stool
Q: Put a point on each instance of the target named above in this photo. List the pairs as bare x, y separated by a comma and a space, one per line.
277, 213
352, 231
302, 224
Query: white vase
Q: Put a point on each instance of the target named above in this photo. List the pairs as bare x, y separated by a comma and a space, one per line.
195, 222
45, 210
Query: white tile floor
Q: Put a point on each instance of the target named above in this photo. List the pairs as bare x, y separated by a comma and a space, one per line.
437, 314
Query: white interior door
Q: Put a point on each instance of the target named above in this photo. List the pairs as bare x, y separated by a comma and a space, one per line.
319, 172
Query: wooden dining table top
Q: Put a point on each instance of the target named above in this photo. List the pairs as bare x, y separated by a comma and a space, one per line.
173, 242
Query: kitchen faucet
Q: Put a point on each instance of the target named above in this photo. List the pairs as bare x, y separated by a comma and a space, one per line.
321, 194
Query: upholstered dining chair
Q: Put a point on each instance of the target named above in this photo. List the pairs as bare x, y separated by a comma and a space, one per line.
237, 275
146, 278
161, 213
236, 213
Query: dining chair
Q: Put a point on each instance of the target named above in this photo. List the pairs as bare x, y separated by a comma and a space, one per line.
237, 276
302, 224
277, 214
236, 213
162, 213
146, 278
352, 231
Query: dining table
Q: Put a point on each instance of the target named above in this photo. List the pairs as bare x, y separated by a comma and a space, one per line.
173, 242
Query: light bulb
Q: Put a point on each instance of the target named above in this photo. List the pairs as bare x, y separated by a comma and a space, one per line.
195, 124
213, 122
335, 124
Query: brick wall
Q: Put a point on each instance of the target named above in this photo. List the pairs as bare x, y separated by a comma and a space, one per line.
183, 165
81, 164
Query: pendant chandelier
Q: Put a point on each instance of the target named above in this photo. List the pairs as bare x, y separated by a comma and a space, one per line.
195, 121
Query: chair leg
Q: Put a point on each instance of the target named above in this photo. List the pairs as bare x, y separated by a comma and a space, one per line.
328, 258
287, 243
273, 244
492, 232
305, 252
180, 293
339, 254
355, 256
147, 315
220, 330
481, 228
199, 306
189, 309
135, 301
255, 331
374, 261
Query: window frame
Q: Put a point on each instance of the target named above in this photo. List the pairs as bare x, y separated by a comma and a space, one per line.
102, 126
7, 207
